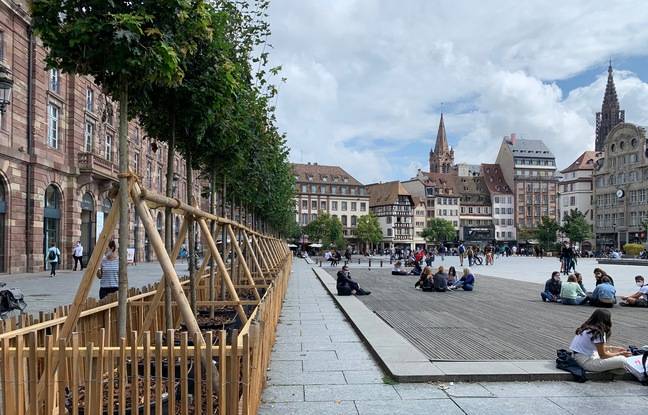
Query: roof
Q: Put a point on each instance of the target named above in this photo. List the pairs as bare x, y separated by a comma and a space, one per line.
381, 194
441, 145
521, 147
320, 173
443, 181
585, 161
494, 179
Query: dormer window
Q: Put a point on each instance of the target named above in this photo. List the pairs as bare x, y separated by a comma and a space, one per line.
324, 179
310, 178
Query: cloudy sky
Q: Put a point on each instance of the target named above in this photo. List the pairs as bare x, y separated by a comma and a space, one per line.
367, 79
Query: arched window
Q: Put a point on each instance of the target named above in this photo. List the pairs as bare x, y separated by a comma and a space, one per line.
160, 224
51, 218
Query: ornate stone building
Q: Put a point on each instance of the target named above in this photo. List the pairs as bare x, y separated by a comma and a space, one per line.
621, 187
394, 207
58, 156
610, 114
442, 157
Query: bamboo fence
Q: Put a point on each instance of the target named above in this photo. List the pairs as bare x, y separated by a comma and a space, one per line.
71, 361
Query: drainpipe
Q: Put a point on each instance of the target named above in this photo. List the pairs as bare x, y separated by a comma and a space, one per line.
29, 205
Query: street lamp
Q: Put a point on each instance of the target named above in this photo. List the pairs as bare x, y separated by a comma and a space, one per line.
6, 82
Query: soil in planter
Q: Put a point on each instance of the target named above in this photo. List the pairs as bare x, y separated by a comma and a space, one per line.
81, 403
203, 401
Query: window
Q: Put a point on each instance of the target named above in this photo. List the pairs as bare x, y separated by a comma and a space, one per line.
53, 113
304, 188
149, 179
108, 148
388, 219
54, 80
344, 220
323, 205
496, 199
314, 204
497, 211
136, 160
363, 207
314, 188
304, 204
314, 216
389, 232
572, 201
333, 189
89, 100
304, 218
344, 205
334, 205
89, 137
354, 206
2, 53
354, 220
160, 179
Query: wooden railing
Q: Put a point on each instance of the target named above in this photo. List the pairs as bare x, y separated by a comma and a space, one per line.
72, 361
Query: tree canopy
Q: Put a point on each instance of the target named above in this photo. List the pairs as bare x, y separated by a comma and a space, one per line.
368, 229
576, 227
328, 230
439, 230
546, 232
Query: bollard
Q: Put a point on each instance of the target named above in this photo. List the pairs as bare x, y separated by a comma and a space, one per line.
381, 263
358, 261
390, 261
369, 262
345, 263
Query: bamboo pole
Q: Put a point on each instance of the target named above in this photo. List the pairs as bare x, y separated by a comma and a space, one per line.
221, 266
255, 260
153, 309
246, 269
261, 253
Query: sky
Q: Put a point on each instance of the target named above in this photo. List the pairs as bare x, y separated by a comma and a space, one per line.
368, 79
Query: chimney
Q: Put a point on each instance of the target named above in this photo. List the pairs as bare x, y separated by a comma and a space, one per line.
513, 138
309, 163
314, 164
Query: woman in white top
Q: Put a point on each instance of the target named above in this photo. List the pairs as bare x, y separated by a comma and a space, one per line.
590, 347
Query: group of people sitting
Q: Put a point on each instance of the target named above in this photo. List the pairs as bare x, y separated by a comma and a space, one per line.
573, 292
441, 281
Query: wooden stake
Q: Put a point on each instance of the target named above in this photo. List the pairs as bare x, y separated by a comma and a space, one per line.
242, 261
255, 260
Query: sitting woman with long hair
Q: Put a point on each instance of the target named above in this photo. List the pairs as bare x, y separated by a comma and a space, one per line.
590, 346
425, 282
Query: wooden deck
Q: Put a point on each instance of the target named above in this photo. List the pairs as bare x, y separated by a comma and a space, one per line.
501, 320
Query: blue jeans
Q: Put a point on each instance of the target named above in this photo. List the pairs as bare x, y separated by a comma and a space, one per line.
547, 296
462, 284
574, 301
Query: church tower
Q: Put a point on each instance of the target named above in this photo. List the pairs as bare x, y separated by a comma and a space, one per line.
610, 114
442, 157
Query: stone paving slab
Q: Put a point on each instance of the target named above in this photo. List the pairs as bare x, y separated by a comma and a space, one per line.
354, 386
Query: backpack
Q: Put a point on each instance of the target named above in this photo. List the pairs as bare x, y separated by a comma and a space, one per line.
462, 249
52, 255
565, 361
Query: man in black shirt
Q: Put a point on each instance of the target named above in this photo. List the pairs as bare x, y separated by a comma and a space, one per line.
346, 286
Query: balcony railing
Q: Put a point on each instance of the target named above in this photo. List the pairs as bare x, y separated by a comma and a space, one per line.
96, 165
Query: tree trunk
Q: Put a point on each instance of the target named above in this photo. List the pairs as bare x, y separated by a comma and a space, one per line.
168, 224
191, 238
212, 229
224, 234
123, 211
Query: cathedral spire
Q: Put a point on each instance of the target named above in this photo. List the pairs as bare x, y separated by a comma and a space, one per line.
441, 145
610, 114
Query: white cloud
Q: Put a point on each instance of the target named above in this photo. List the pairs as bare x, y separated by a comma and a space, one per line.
363, 73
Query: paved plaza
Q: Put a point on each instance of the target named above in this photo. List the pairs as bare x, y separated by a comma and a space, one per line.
320, 366
43, 293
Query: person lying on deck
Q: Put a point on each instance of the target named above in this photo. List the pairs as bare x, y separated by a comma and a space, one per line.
467, 281
398, 269
346, 286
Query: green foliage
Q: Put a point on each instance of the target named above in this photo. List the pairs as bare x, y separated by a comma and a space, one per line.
546, 231
439, 230
575, 226
633, 249
368, 229
328, 230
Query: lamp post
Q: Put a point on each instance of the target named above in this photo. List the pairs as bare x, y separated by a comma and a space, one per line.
616, 235
6, 83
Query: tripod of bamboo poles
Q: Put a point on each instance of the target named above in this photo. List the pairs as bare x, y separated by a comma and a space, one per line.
139, 197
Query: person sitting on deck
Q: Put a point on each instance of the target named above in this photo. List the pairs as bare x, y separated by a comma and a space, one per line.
417, 270
599, 274
590, 347
571, 293
467, 281
638, 299
346, 286
425, 282
452, 275
579, 280
398, 269
441, 280
551, 291
604, 294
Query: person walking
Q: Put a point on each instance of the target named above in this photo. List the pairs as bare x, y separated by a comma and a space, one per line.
53, 257
77, 255
462, 253
109, 271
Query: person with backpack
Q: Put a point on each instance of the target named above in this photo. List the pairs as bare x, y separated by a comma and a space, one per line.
462, 254
53, 258
590, 347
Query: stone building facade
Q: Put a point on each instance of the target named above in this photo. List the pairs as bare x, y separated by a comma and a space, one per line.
621, 188
58, 156
502, 201
330, 189
394, 207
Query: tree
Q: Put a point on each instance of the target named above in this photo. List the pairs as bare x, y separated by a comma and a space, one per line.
439, 230
326, 229
575, 226
124, 46
546, 231
368, 230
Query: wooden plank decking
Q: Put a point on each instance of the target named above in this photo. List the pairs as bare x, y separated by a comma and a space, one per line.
501, 320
